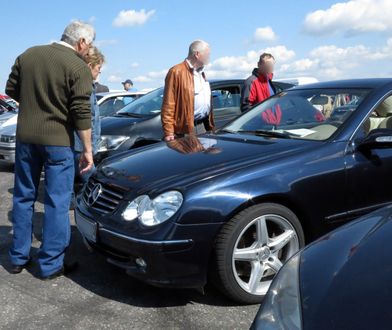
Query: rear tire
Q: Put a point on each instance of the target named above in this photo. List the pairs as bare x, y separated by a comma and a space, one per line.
251, 248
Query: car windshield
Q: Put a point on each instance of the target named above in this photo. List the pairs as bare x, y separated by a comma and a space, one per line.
313, 114
7, 105
147, 105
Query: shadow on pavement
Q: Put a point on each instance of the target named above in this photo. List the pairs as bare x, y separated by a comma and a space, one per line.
6, 168
106, 280
103, 279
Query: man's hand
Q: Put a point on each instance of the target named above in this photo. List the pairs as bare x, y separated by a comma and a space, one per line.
86, 162
169, 138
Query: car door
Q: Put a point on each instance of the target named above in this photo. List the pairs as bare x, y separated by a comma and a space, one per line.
369, 171
226, 103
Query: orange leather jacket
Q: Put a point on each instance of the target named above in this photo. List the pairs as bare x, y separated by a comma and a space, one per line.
179, 101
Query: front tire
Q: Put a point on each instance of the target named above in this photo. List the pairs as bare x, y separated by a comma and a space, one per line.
252, 247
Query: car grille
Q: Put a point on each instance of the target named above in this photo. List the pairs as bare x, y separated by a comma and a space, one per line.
101, 197
7, 138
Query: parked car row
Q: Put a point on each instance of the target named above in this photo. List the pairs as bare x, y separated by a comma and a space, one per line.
8, 120
109, 104
139, 123
233, 206
120, 116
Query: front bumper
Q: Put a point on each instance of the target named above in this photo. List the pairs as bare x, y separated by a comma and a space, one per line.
181, 261
7, 154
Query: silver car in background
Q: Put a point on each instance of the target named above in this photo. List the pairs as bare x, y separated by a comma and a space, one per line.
7, 144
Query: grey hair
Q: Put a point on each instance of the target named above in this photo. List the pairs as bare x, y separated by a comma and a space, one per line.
77, 30
197, 46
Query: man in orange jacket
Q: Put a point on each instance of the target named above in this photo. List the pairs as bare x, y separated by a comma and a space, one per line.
187, 107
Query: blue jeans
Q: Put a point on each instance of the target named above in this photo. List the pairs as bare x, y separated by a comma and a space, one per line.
58, 164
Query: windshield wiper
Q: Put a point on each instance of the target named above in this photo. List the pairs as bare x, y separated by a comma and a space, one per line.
262, 132
227, 131
129, 114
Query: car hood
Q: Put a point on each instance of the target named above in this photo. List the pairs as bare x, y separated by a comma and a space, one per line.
7, 116
346, 276
8, 130
192, 159
117, 124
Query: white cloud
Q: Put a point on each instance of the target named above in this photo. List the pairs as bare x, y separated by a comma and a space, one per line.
135, 65
242, 66
325, 62
352, 17
142, 79
281, 53
331, 62
114, 79
264, 34
132, 17
103, 43
157, 76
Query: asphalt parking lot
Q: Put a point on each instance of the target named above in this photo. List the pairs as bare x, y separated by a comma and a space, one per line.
98, 295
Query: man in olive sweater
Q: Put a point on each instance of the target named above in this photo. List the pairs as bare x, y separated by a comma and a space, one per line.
52, 84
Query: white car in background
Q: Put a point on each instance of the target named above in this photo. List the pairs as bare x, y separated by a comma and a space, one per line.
111, 102
107, 102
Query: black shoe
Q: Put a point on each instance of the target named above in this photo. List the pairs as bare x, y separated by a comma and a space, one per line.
65, 270
16, 269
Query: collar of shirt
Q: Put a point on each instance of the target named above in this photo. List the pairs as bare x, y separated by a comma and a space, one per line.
65, 44
199, 70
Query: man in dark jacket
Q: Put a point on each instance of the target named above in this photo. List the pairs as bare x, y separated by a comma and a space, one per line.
100, 88
52, 84
258, 86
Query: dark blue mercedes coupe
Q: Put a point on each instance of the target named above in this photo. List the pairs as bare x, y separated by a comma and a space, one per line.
234, 205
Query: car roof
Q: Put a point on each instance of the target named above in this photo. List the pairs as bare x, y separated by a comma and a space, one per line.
226, 81
348, 83
121, 93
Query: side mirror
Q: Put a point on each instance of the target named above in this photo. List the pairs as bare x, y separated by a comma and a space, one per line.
377, 139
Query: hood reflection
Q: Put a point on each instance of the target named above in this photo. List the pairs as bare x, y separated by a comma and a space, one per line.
192, 144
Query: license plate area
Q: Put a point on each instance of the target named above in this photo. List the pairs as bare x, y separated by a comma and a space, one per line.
87, 228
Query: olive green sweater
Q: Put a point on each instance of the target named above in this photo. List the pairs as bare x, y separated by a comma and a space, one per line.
53, 85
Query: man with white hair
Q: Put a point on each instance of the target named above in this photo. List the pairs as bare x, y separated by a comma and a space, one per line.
186, 107
52, 84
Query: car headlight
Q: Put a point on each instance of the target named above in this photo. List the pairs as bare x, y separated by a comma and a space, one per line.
111, 142
281, 308
153, 212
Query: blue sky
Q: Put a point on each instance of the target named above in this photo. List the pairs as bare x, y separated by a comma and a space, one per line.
142, 39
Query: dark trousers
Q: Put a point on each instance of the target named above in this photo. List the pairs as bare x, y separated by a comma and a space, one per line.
58, 164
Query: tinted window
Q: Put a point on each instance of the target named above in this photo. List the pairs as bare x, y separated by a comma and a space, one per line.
149, 104
226, 97
309, 114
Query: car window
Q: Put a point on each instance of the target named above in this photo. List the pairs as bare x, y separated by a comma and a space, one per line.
226, 99
111, 106
149, 104
381, 117
308, 114
128, 99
